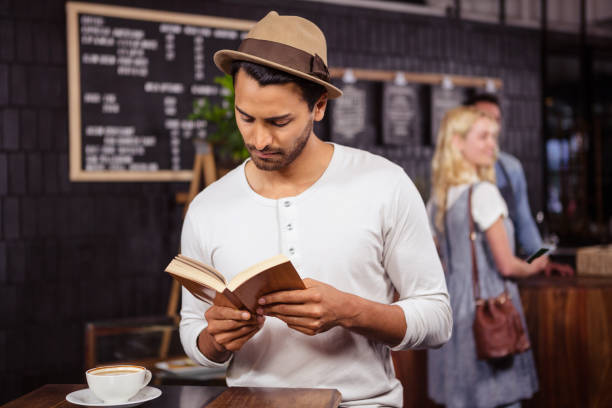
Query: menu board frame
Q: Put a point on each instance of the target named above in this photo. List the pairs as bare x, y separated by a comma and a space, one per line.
393, 116
442, 100
73, 9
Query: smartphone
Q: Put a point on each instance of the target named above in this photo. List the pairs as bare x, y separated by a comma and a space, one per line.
540, 252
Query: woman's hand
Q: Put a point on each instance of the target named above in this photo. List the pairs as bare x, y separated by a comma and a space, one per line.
507, 264
538, 265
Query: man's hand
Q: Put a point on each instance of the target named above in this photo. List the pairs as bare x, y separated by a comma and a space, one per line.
321, 307
313, 310
553, 268
228, 330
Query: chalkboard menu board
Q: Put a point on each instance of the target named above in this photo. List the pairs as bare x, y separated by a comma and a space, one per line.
400, 115
134, 75
442, 100
354, 121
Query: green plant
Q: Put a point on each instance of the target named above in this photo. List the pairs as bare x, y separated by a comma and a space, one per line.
225, 136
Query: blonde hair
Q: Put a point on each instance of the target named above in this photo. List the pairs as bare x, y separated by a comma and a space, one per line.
449, 166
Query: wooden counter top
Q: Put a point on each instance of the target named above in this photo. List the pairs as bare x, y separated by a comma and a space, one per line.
541, 281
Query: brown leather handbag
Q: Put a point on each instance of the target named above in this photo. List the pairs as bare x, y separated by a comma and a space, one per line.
498, 329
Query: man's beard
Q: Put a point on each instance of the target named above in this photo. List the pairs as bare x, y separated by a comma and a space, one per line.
281, 157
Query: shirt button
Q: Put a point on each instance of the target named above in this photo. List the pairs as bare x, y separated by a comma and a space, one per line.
292, 250
287, 203
289, 227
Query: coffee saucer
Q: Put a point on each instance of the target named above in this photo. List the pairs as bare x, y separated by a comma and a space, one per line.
87, 397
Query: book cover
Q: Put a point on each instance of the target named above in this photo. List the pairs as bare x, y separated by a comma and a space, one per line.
243, 290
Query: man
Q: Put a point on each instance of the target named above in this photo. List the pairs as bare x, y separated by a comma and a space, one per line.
352, 223
513, 186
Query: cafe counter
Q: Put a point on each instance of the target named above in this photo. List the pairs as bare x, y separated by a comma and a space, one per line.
570, 326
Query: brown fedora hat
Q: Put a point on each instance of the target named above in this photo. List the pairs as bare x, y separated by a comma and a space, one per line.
287, 43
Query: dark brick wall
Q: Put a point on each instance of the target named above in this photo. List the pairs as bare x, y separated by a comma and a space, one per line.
74, 252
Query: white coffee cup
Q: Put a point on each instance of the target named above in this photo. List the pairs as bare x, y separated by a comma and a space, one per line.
117, 383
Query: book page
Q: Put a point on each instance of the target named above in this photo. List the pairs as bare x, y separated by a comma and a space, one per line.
202, 266
188, 272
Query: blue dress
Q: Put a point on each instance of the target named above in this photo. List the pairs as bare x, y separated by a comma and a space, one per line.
456, 378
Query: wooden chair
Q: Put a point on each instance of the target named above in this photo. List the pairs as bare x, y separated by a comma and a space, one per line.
162, 331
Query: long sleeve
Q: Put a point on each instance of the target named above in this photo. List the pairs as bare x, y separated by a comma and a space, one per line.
412, 263
510, 172
193, 309
526, 230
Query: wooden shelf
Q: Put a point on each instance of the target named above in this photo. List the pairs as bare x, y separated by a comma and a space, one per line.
416, 77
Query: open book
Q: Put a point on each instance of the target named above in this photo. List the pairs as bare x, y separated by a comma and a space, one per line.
243, 290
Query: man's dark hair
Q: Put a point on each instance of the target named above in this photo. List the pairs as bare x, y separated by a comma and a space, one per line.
482, 97
311, 91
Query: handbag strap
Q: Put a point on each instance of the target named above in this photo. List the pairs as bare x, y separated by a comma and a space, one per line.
472, 238
508, 191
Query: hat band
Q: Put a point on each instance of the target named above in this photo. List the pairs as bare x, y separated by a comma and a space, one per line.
286, 55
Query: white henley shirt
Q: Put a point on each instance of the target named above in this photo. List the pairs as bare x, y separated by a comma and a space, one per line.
362, 228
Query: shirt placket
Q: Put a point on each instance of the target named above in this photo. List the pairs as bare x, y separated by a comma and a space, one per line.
287, 216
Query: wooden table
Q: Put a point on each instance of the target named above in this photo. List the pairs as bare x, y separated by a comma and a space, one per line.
175, 396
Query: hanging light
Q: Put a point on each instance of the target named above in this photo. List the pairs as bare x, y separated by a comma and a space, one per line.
447, 83
490, 86
349, 77
400, 79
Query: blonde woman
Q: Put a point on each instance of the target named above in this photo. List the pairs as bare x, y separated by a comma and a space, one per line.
465, 156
